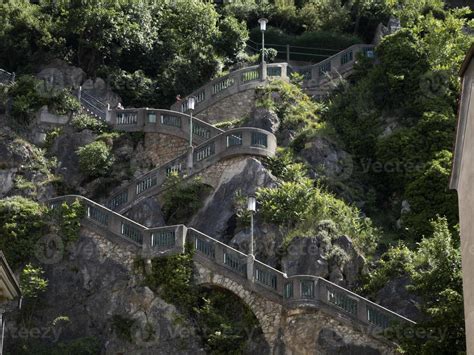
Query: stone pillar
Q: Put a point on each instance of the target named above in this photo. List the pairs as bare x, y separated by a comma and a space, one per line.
250, 267
263, 71
107, 114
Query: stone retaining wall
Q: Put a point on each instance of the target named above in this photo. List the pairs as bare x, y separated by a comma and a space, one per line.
161, 148
229, 108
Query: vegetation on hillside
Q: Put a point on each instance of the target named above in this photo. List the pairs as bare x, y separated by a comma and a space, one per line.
395, 116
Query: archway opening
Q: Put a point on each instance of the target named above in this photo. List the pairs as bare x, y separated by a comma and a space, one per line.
226, 324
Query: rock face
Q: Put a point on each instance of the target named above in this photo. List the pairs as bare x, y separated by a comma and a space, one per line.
64, 148
330, 342
148, 213
23, 168
326, 255
265, 119
268, 239
327, 159
405, 303
244, 176
94, 285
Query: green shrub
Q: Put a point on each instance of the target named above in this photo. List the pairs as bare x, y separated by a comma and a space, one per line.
325, 15
67, 217
51, 136
295, 109
183, 199
95, 159
173, 277
22, 224
84, 121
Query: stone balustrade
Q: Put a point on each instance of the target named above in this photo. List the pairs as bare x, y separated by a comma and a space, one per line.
293, 291
232, 83
6, 77
151, 241
236, 142
317, 75
161, 121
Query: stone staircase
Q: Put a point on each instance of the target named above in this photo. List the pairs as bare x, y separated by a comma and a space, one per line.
211, 146
318, 79
298, 291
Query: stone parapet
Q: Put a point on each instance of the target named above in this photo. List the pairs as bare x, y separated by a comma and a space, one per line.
295, 292
243, 141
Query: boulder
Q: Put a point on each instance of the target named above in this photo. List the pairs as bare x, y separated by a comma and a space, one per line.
327, 160
265, 119
267, 237
244, 176
64, 148
148, 213
327, 255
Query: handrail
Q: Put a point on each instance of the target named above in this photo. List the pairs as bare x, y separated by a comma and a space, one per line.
310, 290
161, 121
317, 74
248, 141
6, 77
232, 83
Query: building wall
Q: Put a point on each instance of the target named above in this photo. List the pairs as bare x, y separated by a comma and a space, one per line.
466, 203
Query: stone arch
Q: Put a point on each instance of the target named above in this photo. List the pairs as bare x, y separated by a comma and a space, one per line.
267, 312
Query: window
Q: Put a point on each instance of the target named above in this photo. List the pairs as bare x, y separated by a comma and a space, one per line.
132, 233
324, 68
234, 139
288, 290
151, 117
346, 57
164, 239
259, 139
307, 289
204, 152
201, 131
170, 120
127, 118
146, 183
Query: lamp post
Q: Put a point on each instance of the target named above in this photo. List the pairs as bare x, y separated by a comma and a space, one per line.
191, 104
252, 208
263, 27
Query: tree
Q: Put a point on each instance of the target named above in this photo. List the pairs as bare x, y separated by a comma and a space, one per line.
22, 224
95, 159
329, 15
434, 270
